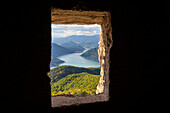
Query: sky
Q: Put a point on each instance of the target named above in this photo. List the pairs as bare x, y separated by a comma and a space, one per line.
61, 30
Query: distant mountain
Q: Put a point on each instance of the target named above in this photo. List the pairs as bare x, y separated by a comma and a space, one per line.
72, 46
84, 41
55, 62
57, 50
91, 54
90, 44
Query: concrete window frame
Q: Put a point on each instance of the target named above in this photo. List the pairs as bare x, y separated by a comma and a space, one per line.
59, 16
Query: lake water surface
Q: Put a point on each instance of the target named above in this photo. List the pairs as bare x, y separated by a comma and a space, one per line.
75, 59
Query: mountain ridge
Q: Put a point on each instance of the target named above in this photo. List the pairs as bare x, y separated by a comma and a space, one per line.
73, 46
91, 54
58, 50
61, 71
55, 62
83, 40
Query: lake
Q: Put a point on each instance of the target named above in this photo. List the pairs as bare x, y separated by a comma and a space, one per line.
75, 59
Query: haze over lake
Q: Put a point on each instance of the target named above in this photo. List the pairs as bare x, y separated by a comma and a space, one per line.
75, 67
75, 59
68, 38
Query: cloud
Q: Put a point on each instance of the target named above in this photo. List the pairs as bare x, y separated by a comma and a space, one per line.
59, 30
91, 26
94, 31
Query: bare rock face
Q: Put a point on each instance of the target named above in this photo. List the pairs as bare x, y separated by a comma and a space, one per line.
105, 43
59, 16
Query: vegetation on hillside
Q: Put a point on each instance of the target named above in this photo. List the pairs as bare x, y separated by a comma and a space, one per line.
91, 54
59, 72
80, 83
74, 80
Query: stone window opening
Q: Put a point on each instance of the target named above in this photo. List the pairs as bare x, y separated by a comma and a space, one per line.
59, 16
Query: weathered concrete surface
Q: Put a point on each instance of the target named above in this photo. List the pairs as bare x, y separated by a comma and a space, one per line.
62, 100
59, 16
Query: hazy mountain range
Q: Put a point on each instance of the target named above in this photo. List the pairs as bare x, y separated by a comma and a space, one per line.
58, 50
84, 41
91, 54
73, 44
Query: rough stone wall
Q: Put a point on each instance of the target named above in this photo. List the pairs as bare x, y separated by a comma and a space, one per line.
105, 44
59, 16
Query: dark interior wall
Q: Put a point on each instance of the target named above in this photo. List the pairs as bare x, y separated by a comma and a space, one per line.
138, 55
26, 50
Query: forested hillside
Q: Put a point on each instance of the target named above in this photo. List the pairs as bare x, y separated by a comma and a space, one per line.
59, 72
74, 80
91, 54
80, 83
